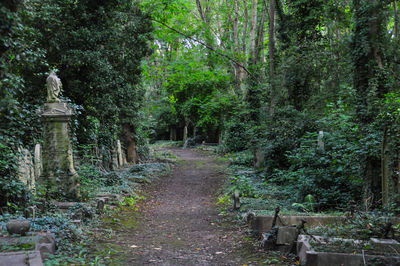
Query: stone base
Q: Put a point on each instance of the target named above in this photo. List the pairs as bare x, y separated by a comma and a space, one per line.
41, 242
21, 258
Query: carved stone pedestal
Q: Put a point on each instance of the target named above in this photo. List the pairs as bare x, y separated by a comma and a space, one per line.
59, 177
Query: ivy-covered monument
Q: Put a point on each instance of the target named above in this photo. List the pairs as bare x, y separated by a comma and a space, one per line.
59, 179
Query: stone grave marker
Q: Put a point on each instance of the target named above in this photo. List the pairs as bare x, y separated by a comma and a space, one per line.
58, 176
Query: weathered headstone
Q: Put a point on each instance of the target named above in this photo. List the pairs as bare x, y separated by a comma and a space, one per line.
321, 143
37, 161
119, 151
25, 168
114, 158
59, 177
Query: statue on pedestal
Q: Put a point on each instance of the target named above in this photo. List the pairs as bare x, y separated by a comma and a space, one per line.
58, 177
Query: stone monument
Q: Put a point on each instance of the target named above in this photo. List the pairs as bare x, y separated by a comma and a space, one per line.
58, 177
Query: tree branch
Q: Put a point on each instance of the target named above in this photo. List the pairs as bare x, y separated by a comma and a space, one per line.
208, 47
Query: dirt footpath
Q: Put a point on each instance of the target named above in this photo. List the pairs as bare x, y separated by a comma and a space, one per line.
178, 223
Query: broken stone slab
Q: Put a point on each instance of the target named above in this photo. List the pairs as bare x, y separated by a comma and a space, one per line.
286, 235
42, 242
385, 245
26, 172
64, 206
21, 258
309, 257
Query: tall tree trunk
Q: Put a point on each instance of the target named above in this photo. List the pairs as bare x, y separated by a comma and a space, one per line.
396, 20
260, 35
130, 142
172, 133
385, 168
368, 15
271, 51
398, 174
254, 5
238, 69
245, 25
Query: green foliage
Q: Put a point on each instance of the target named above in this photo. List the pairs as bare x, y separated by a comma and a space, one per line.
243, 158
223, 204
238, 133
90, 178
283, 132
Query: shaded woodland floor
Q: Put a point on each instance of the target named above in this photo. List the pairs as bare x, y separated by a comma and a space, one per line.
178, 223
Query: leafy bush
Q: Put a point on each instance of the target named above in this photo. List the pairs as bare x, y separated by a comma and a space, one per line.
237, 137
112, 178
333, 175
283, 132
90, 178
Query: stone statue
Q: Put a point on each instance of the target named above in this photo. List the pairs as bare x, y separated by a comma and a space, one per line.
53, 88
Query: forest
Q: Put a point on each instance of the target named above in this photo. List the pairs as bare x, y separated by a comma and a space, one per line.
303, 92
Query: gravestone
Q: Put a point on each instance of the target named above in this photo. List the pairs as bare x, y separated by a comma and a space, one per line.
37, 161
321, 143
25, 168
114, 158
119, 151
58, 177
